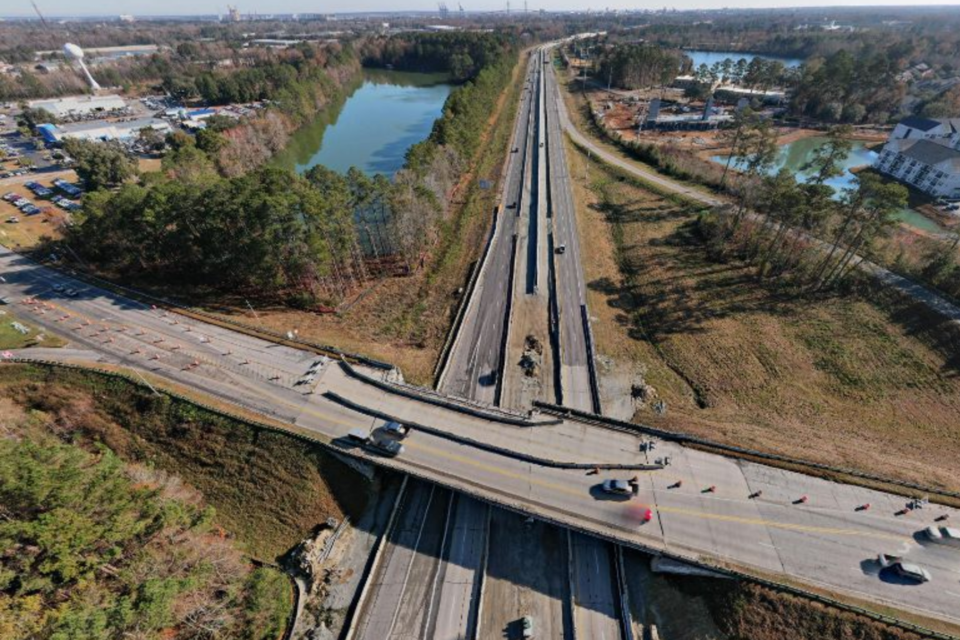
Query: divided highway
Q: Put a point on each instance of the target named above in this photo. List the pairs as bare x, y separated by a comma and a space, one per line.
823, 540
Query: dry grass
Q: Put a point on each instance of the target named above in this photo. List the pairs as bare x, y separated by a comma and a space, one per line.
855, 381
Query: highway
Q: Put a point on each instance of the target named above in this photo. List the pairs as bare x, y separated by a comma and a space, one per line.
824, 540
568, 267
473, 369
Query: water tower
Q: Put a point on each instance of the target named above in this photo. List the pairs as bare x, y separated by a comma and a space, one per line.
73, 52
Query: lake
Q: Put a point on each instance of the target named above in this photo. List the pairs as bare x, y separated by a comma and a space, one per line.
794, 155
385, 114
710, 57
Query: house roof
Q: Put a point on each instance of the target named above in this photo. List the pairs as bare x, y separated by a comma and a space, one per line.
931, 153
917, 122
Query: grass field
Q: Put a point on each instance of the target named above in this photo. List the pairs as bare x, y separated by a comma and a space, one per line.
269, 489
10, 338
863, 381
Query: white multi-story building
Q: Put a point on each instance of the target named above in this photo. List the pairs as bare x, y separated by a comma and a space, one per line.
924, 153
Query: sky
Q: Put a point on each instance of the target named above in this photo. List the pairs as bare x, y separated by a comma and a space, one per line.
207, 7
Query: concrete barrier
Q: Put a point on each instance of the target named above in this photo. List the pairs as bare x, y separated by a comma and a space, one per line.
483, 446
482, 586
508, 313
626, 618
570, 588
734, 451
460, 405
591, 360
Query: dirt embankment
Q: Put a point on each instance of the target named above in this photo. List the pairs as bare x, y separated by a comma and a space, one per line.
269, 489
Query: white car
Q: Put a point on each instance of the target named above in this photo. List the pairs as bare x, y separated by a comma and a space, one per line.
943, 535
903, 569
617, 487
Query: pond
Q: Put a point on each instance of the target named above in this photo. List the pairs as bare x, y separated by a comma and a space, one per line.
386, 114
710, 57
794, 155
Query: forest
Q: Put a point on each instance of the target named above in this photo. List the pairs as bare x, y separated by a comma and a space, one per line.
270, 234
91, 547
635, 66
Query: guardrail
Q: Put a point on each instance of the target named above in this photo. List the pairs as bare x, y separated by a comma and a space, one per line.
591, 360
689, 439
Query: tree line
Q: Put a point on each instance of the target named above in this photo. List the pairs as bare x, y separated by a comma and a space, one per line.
806, 234
462, 54
269, 233
635, 66
94, 548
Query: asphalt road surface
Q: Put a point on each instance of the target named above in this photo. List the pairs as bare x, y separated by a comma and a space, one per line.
474, 365
461, 571
526, 576
824, 540
575, 372
595, 590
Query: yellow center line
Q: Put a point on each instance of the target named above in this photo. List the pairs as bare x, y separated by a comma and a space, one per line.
678, 510
559, 488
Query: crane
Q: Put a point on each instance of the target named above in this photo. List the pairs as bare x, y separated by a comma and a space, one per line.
37, 9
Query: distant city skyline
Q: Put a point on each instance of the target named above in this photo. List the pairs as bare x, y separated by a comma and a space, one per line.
23, 8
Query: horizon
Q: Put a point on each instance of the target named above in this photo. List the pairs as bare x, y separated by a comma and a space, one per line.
188, 9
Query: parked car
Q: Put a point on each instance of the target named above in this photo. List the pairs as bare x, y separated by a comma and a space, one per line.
903, 569
13, 219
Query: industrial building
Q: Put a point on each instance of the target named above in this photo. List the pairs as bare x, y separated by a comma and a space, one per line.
79, 106
924, 153
101, 130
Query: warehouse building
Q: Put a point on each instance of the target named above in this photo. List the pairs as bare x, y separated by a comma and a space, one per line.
101, 130
79, 106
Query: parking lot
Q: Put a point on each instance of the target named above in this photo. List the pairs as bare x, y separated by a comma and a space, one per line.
33, 207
